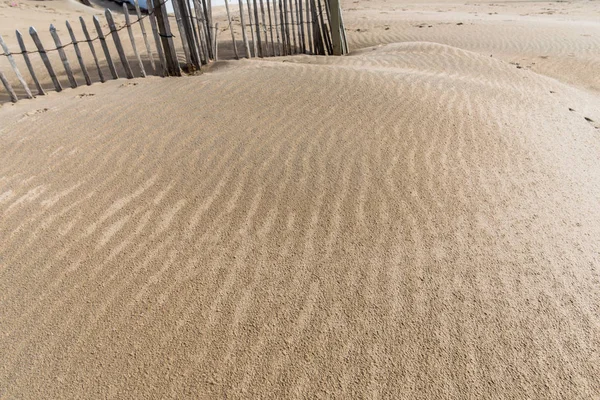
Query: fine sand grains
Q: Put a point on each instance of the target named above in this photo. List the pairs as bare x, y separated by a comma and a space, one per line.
415, 220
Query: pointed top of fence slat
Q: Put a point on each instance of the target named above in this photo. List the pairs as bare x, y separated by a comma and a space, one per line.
32, 30
52, 28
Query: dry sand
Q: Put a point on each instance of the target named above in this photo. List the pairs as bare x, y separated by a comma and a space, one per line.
415, 220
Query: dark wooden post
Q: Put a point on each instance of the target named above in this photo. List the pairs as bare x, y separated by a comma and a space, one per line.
162, 20
336, 27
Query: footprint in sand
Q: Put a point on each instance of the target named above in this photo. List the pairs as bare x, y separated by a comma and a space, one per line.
32, 113
82, 95
129, 84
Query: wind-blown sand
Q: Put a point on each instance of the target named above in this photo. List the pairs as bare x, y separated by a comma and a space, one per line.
415, 220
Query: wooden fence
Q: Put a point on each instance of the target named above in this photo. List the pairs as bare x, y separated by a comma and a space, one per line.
268, 28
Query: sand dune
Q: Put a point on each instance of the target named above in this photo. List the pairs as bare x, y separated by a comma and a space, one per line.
415, 220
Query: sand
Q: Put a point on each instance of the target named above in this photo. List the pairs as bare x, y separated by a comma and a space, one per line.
419, 219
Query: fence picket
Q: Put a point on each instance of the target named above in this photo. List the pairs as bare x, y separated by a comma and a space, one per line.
109, 61
92, 49
36, 39
235, 50
264, 28
144, 35
277, 52
132, 39
25, 53
84, 70
157, 42
251, 23
13, 64
118, 45
215, 41
244, 34
63, 57
8, 87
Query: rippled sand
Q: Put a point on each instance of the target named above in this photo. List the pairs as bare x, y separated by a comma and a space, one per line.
415, 220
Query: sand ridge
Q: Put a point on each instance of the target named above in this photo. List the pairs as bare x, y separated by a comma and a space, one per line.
415, 220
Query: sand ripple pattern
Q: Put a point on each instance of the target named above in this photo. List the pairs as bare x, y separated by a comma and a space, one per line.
412, 221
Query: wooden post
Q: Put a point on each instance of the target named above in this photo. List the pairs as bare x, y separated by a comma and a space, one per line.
271, 28
63, 57
293, 22
201, 33
143, 28
9, 89
36, 39
276, 18
244, 35
182, 33
251, 22
264, 28
84, 70
287, 27
132, 40
87, 39
235, 51
162, 20
309, 28
39, 88
159, 49
335, 23
109, 61
207, 17
13, 64
190, 30
257, 29
215, 41
301, 26
282, 26
118, 45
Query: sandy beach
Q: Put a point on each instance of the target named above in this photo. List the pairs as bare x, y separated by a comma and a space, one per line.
419, 219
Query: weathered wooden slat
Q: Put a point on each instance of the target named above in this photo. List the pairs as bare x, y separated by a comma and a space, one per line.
84, 70
276, 24
118, 44
301, 26
201, 38
164, 27
273, 44
132, 40
251, 23
282, 28
161, 55
92, 50
109, 61
293, 24
257, 29
235, 50
8, 87
25, 53
288, 40
264, 29
309, 28
182, 34
13, 64
36, 39
192, 35
215, 42
207, 17
326, 41
244, 34
144, 35
63, 56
